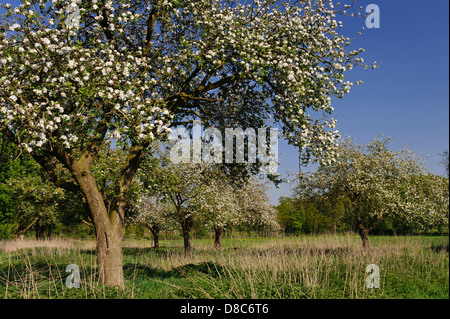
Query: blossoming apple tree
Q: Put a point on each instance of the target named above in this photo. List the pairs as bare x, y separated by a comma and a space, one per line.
154, 213
216, 204
180, 185
125, 71
380, 183
255, 210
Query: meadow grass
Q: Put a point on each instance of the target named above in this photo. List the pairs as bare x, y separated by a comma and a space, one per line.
306, 267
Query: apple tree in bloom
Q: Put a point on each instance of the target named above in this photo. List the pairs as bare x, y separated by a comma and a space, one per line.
126, 71
255, 210
380, 183
216, 204
153, 213
179, 186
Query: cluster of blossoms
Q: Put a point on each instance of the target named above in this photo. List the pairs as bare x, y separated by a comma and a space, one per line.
216, 202
55, 90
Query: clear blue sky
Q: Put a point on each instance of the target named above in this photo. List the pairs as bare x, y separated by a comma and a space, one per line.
408, 96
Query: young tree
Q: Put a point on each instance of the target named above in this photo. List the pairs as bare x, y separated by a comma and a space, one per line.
216, 204
179, 185
381, 183
255, 210
153, 213
125, 71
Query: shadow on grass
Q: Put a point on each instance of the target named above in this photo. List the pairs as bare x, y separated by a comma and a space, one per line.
179, 282
148, 272
441, 247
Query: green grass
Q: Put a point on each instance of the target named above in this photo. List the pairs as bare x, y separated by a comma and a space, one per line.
288, 268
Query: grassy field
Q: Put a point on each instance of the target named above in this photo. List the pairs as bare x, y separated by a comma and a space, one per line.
288, 268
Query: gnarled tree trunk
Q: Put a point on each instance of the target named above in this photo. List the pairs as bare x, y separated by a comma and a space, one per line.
109, 225
365, 227
109, 230
109, 257
187, 242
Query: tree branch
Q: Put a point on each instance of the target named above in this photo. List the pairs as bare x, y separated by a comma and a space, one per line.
150, 30
55, 178
87, 223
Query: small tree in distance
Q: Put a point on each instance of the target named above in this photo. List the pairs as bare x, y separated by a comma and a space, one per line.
217, 204
180, 185
255, 210
381, 183
153, 213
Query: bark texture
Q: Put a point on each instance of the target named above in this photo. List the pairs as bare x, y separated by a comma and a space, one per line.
109, 230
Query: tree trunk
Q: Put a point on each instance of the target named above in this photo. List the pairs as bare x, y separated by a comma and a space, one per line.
364, 233
187, 243
40, 235
109, 225
109, 231
218, 232
109, 258
364, 228
186, 226
155, 232
50, 232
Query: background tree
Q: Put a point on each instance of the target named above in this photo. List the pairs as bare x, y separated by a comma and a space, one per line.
285, 214
381, 183
37, 206
313, 190
28, 199
154, 213
130, 69
179, 185
217, 204
255, 210
12, 165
